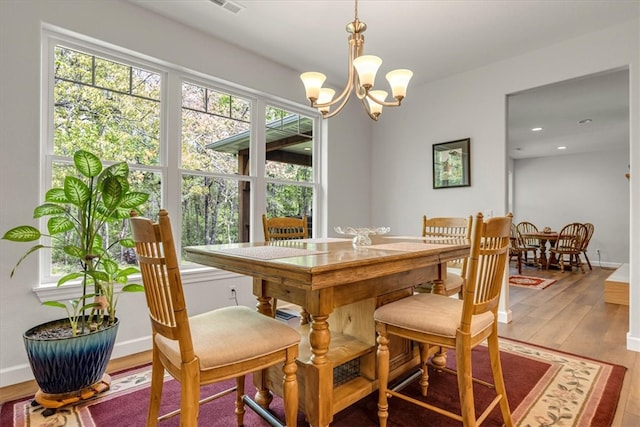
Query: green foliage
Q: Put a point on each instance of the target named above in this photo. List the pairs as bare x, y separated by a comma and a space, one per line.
91, 198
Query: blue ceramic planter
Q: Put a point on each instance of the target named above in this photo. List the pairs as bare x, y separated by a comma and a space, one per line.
66, 365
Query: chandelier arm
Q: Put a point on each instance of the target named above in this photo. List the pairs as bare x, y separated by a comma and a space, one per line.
336, 110
368, 110
351, 77
395, 103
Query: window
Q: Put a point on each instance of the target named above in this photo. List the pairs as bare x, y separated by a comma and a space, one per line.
118, 107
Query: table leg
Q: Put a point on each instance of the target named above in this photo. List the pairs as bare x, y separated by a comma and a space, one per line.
319, 382
542, 258
263, 396
439, 359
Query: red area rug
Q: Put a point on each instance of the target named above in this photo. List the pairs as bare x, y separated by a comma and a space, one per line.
545, 387
530, 282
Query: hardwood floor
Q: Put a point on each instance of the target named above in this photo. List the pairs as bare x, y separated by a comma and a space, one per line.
570, 315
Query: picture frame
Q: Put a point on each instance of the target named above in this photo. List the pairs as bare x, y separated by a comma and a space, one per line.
452, 164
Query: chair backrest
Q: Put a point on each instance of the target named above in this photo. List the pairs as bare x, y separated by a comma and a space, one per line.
156, 254
571, 237
456, 228
590, 229
284, 228
486, 266
525, 227
517, 242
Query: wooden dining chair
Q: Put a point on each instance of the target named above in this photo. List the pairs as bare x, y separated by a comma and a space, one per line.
532, 243
221, 344
517, 248
431, 320
585, 244
447, 229
569, 243
284, 228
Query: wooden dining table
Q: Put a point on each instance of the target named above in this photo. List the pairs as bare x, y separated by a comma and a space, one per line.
543, 237
339, 285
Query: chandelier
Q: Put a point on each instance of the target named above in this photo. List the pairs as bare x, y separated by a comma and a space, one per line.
361, 78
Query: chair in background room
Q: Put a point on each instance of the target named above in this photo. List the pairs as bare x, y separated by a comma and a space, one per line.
286, 228
585, 244
447, 229
431, 320
517, 247
569, 243
532, 243
214, 346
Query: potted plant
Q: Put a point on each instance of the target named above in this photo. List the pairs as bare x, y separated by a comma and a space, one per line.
91, 199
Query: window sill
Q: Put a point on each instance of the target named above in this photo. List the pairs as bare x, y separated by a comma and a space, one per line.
49, 291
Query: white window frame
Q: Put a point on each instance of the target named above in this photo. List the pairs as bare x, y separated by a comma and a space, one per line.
170, 130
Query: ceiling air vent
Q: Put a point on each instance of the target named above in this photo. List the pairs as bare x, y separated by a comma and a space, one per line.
228, 5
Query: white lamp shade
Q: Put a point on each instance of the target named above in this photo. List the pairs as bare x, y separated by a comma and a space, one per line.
312, 83
399, 80
367, 66
325, 96
381, 96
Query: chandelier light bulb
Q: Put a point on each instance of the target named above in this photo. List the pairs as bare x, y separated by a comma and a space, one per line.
312, 83
399, 80
325, 96
367, 66
374, 107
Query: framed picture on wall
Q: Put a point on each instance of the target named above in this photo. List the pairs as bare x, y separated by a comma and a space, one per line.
451, 164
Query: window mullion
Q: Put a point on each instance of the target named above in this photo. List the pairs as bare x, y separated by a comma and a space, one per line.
170, 137
258, 160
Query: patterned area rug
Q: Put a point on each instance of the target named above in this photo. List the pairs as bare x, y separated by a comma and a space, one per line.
530, 282
545, 387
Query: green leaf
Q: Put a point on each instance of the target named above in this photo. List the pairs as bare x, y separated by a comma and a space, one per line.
127, 243
88, 164
111, 193
48, 209
110, 266
74, 251
128, 271
33, 249
54, 304
118, 169
98, 275
56, 195
67, 277
134, 199
59, 224
133, 287
23, 233
76, 191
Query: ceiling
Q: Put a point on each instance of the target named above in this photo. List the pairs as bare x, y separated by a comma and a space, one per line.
434, 38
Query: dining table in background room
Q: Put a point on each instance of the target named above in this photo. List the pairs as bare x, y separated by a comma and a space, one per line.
339, 285
547, 239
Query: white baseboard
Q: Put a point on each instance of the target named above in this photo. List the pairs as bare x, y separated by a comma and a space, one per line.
633, 343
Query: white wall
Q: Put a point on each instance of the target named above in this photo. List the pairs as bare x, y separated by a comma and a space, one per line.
473, 104
587, 187
123, 24
392, 156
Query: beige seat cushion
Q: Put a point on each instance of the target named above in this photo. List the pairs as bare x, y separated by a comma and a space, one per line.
231, 334
435, 314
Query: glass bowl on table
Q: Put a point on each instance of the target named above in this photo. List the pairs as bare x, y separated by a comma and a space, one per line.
361, 234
